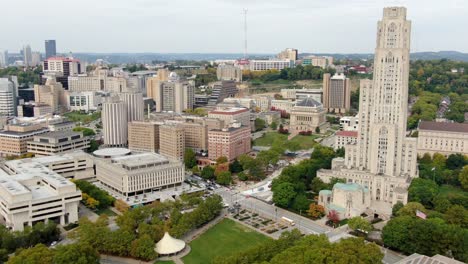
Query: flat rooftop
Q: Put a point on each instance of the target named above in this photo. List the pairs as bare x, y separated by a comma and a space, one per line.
444, 126
111, 152
141, 161
59, 134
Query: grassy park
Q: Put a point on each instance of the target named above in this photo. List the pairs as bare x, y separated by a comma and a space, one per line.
82, 117
298, 142
224, 238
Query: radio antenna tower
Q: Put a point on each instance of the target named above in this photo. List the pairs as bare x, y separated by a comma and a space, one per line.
245, 33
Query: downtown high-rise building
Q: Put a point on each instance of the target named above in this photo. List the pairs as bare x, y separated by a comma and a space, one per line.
50, 48
383, 159
3, 58
27, 56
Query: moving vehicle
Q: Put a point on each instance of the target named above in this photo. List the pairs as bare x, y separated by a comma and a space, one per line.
288, 221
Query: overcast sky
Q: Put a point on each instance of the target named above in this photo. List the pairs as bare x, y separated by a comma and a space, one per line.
209, 26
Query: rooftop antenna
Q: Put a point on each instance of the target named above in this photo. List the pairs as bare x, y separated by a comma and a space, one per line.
245, 33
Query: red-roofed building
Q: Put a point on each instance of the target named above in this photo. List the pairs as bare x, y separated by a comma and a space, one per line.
343, 138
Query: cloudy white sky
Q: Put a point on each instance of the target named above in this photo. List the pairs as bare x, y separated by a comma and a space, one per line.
207, 26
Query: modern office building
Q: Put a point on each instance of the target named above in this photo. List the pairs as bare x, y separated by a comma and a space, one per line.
308, 115
14, 138
139, 174
84, 101
336, 93
27, 56
318, 61
442, 137
229, 142
288, 54
50, 48
134, 102
114, 122
172, 141
31, 193
62, 68
174, 95
383, 159
143, 136
222, 90
8, 92
226, 72
58, 142
76, 165
231, 115
263, 65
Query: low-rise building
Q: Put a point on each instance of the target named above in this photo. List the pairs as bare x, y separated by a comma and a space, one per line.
138, 174
14, 138
300, 94
53, 143
442, 137
263, 65
343, 138
226, 72
283, 105
308, 115
349, 123
229, 142
31, 193
347, 199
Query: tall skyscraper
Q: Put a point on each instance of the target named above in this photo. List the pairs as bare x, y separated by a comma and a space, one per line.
336, 93
134, 101
114, 122
35, 58
50, 48
7, 97
384, 159
173, 95
3, 58
27, 55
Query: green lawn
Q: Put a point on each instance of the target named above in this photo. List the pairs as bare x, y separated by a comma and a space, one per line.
164, 262
304, 142
225, 238
106, 211
76, 116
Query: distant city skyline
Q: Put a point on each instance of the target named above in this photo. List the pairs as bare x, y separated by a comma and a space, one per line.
216, 26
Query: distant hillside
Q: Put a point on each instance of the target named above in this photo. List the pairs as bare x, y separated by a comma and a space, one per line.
427, 55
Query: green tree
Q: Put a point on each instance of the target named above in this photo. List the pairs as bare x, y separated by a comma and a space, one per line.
457, 215
456, 161
283, 194
423, 191
410, 209
274, 125
242, 176
235, 167
397, 208
93, 146
78, 253
190, 159
38, 254
143, 248
259, 124
224, 178
195, 170
87, 132
221, 160
207, 173
359, 223
463, 177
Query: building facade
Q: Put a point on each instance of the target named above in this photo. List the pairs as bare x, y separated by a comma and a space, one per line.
50, 48
7, 97
31, 193
308, 115
172, 141
441, 137
231, 115
229, 142
263, 65
134, 101
54, 143
14, 138
343, 138
138, 174
222, 90
288, 54
336, 93
384, 159
174, 95
143, 136
226, 72
114, 122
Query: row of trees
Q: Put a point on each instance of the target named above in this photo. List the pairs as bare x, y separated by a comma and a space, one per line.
299, 72
40, 254
292, 248
444, 234
93, 197
140, 228
30, 236
291, 188
26, 76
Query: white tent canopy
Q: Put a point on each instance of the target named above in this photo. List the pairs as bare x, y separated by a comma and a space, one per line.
169, 245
